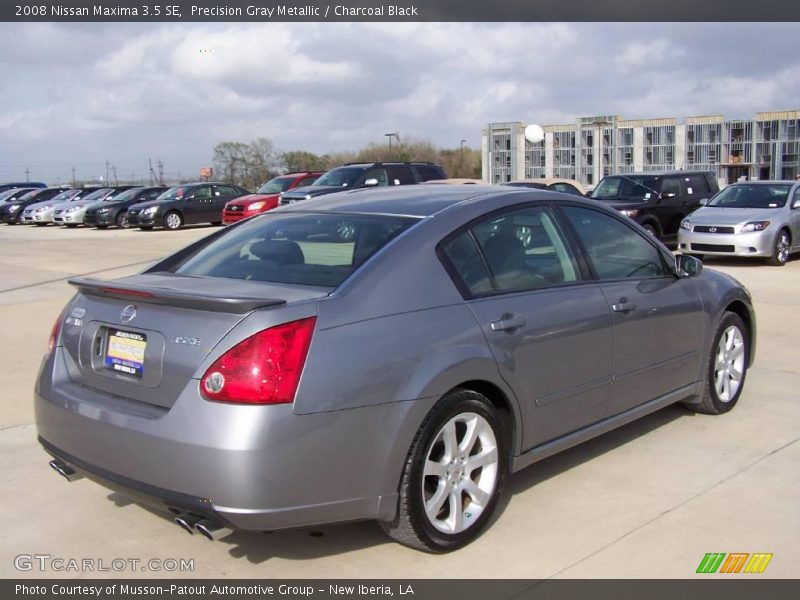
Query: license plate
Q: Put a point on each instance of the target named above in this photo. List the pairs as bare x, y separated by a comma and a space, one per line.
125, 352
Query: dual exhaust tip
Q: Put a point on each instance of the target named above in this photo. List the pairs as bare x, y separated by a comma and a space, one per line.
65, 470
189, 522
211, 530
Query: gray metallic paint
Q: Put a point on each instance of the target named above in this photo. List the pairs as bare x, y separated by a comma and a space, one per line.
389, 342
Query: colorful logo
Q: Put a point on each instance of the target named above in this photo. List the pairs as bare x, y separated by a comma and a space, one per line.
735, 562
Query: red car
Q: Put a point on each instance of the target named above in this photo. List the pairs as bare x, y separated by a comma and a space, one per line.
266, 197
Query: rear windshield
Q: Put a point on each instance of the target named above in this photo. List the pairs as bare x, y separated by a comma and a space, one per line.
276, 186
752, 196
636, 187
320, 249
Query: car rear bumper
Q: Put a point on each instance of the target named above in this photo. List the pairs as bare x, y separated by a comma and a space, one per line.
253, 467
758, 244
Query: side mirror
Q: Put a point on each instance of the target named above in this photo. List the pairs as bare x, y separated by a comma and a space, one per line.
667, 195
703, 201
371, 182
796, 203
687, 266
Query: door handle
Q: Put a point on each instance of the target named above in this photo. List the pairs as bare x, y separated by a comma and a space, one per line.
507, 323
623, 306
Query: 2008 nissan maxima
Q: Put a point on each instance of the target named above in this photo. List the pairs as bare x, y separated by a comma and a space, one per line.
259, 381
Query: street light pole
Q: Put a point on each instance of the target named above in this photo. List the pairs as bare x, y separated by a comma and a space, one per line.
461, 166
390, 136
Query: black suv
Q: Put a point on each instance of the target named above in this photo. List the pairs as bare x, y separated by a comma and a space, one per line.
359, 175
657, 201
191, 203
114, 210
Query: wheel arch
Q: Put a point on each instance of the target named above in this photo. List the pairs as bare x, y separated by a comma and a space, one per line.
740, 309
501, 401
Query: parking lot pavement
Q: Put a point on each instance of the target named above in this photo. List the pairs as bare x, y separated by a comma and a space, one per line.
647, 500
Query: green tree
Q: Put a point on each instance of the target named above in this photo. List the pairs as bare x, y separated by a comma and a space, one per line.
296, 161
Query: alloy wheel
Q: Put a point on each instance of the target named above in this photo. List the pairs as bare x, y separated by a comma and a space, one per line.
782, 247
729, 364
460, 473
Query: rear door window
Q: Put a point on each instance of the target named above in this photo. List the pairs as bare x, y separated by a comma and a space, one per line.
401, 176
695, 185
428, 173
518, 250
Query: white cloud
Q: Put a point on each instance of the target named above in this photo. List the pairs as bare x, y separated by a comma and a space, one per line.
132, 91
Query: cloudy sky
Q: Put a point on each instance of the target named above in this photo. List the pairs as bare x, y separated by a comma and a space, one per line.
78, 94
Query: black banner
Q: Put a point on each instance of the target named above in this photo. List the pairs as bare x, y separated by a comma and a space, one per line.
400, 10
413, 589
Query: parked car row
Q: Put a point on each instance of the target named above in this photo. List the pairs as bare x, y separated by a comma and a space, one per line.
751, 218
194, 203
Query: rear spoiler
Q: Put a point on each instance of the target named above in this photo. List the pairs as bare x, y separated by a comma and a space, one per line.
172, 297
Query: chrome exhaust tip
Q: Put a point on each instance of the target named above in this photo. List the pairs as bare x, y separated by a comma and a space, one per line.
65, 470
212, 530
187, 522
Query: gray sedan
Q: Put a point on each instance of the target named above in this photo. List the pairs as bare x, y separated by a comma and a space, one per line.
272, 376
754, 219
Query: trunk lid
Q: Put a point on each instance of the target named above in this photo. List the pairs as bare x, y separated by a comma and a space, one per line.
143, 337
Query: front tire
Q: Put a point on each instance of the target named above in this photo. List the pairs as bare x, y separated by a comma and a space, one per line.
173, 221
121, 220
780, 252
727, 367
454, 475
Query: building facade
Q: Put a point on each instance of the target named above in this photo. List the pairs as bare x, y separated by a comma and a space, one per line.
766, 147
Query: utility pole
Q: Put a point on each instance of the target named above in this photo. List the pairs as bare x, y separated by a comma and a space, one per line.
461, 166
152, 173
27, 174
114, 170
106, 171
73, 175
160, 172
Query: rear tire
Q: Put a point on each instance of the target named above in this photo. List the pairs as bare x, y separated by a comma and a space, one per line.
780, 252
453, 476
726, 369
121, 220
173, 220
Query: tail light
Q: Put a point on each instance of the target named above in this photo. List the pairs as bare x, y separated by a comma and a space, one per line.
51, 344
262, 369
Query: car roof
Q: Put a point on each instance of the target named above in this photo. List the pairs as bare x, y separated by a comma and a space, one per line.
660, 173
408, 200
548, 181
765, 182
